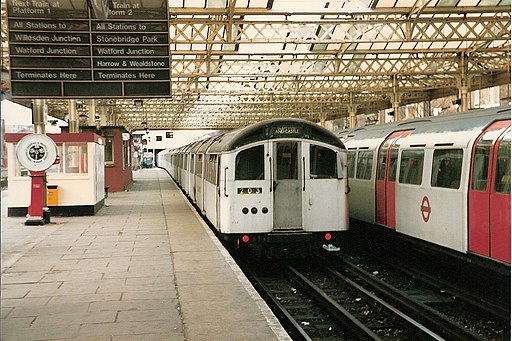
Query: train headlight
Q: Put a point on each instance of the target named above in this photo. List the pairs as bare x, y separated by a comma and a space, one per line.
245, 238
328, 236
254, 210
245, 210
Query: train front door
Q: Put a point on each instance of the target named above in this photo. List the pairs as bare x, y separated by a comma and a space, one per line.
489, 193
386, 176
287, 185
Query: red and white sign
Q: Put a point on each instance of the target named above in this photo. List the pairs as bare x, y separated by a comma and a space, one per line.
425, 209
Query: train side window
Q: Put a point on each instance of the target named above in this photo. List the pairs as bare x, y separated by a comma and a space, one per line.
481, 165
199, 165
502, 181
211, 169
322, 162
383, 155
446, 168
351, 163
249, 164
411, 167
393, 158
382, 163
364, 165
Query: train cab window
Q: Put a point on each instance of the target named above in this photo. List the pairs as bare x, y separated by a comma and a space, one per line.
286, 160
322, 162
502, 181
364, 165
411, 167
446, 168
351, 163
250, 164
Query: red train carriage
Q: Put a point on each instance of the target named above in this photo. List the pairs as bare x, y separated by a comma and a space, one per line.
444, 180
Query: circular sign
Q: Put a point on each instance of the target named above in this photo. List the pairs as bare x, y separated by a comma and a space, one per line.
425, 209
36, 152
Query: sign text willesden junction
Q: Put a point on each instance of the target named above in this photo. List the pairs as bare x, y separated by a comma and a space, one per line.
59, 48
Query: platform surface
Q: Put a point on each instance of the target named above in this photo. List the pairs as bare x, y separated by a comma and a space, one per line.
144, 268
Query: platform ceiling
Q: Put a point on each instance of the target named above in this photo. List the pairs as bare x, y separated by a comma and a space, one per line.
234, 62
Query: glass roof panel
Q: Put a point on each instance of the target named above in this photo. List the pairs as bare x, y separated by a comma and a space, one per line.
402, 3
216, 3
318, 46
468, 2
386, 3
489, 2
449, 3
257, 3
194, 3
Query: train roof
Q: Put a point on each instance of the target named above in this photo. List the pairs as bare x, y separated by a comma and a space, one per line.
456, 122
274, 129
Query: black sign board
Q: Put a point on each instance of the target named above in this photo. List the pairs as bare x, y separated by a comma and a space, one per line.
62, 48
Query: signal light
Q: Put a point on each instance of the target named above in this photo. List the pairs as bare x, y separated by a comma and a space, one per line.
245, 239
327, 236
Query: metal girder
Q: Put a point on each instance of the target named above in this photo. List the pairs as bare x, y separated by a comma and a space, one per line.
341, 30
232, 66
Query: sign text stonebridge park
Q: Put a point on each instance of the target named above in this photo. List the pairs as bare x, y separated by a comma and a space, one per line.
59, 48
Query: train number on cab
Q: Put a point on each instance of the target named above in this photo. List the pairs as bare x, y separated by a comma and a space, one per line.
249, 190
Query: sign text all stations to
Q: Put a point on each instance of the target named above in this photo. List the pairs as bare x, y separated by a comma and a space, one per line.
83, 25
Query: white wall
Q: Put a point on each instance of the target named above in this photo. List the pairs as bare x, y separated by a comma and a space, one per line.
18, 119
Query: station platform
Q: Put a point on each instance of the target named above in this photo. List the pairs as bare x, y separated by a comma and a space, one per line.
146, 267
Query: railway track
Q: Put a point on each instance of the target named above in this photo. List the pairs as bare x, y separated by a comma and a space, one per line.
345, 302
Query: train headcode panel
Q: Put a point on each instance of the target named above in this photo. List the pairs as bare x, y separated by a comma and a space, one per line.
70, 49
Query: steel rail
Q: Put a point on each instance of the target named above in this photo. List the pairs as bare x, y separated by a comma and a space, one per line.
446, 326
356, 326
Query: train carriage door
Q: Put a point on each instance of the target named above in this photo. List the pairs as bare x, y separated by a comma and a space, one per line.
500, 201
287, 185
385, 182
489, 194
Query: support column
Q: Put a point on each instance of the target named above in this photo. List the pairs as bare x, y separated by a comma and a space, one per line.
395, 100
322, 115
39, 116
73, 117
91, 121
352, 111
463, 84
464, 98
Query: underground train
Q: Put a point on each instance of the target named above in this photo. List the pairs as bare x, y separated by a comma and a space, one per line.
278, 185
444, 180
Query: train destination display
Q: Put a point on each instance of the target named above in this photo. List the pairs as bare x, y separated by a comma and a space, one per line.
62, 48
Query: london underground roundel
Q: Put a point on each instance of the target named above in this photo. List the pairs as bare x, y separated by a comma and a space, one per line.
36, 152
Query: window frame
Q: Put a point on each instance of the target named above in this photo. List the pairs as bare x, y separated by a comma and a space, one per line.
419, 170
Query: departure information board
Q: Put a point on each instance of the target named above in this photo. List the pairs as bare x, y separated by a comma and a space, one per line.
62, 48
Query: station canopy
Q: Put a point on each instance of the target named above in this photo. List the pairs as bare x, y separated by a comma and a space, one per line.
235, 62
